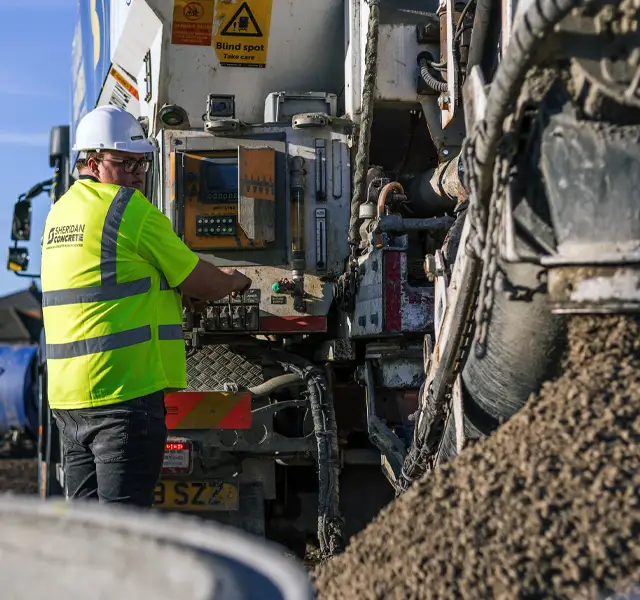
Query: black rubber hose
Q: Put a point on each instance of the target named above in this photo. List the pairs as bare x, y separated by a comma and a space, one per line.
430, 80
366, 121
459, 27
537, 22
275, 384
330, 522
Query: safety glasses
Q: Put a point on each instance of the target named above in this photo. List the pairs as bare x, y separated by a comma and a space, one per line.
129, 165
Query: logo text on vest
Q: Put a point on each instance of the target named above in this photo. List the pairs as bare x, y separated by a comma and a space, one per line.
66, 235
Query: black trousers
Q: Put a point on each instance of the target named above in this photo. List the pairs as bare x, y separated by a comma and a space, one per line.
114, 453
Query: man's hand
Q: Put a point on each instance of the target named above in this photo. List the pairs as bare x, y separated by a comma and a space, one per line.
240, 282
212, 283
194, 304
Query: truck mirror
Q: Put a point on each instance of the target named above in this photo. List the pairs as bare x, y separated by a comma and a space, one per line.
58, 144
18, 259
21, 227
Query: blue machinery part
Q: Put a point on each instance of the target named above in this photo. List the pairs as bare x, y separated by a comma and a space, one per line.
18, 388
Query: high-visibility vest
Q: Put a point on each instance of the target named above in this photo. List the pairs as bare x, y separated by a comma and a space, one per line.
113, 326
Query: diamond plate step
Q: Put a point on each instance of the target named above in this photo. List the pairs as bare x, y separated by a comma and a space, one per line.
213, 366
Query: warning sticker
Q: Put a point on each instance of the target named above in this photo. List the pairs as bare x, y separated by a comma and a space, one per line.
242, 33
192, 22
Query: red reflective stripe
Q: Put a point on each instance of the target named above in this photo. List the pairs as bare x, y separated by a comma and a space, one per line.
306, 324
392, 291
208, 410
239, 417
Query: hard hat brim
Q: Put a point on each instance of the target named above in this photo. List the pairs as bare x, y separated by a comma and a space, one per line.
136, 147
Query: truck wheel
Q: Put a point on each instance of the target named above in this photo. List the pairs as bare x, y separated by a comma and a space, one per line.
524, 343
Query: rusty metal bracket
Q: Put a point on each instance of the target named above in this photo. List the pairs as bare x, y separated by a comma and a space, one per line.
389, 444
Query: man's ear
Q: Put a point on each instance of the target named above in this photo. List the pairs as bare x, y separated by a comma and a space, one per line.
92, 164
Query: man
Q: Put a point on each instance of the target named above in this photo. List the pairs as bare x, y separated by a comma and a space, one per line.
112, 273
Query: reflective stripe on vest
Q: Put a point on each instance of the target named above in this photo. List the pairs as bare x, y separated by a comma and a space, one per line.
170, 333
109, 289
104, 343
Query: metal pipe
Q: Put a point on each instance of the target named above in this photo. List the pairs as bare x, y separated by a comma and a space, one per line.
397, 223
382, 198
437, 190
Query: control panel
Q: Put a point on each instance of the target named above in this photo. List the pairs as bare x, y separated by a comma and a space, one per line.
241, 313
214, 225
228, 198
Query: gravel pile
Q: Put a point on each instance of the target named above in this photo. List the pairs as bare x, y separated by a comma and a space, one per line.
548, 507
18, 470
19, 476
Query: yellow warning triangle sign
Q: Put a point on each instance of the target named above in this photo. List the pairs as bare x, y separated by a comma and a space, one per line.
242, 24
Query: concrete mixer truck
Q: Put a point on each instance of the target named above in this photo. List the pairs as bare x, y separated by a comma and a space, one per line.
398, 179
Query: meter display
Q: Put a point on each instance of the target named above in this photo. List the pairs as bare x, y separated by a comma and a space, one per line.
219, 182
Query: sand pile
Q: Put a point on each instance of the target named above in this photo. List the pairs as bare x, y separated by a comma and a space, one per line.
548, 507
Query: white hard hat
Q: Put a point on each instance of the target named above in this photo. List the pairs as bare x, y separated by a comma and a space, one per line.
111, 128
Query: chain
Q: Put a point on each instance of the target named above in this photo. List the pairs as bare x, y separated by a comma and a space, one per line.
484, 244
490, 256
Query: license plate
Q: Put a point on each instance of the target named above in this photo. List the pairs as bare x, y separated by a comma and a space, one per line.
211, 495
177, 457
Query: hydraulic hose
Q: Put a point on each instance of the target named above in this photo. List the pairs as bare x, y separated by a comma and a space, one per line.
330, 522
275, 384
430, 80
366, 121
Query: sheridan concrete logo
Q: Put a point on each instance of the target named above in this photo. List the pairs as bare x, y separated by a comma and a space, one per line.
65, 236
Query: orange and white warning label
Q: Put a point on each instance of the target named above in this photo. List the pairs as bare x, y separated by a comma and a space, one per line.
192, 22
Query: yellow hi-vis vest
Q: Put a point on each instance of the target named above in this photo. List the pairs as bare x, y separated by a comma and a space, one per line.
113, 326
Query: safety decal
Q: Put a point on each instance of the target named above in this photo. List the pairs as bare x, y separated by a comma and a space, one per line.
242, 33
192, 22
124, 83
208, 410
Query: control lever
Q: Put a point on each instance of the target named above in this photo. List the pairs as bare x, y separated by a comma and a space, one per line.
252, 318
225, 314
211, 320
237, 319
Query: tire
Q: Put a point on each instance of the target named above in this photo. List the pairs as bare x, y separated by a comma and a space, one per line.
523, 347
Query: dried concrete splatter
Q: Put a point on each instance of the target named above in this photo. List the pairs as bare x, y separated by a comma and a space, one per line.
548, 507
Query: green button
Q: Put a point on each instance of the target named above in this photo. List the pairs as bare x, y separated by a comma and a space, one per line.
275, 288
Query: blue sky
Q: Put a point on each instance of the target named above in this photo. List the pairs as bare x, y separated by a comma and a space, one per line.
35, 80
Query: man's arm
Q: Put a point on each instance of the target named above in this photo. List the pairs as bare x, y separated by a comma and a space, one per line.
208, 282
